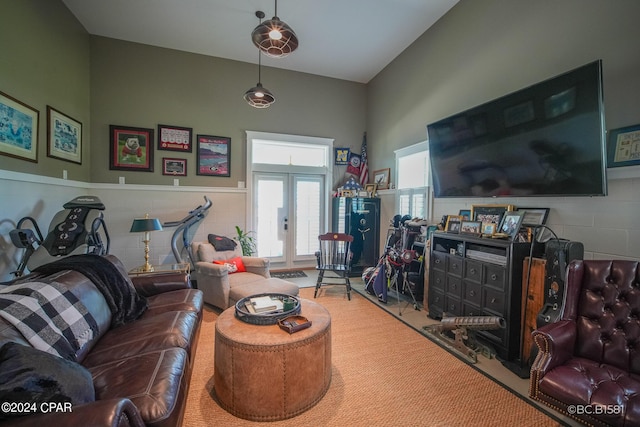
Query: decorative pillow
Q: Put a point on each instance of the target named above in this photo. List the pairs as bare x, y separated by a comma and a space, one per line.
222, 243
234, 265
35, 376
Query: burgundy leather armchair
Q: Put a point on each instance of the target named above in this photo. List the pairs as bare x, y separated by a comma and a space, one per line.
588, 364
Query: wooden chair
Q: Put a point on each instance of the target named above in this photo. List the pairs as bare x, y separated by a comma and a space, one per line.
334, 257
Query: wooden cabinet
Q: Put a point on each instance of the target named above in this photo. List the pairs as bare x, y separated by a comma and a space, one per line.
473, 276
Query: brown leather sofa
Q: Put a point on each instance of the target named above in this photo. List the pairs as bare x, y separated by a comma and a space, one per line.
588, 364
140, 370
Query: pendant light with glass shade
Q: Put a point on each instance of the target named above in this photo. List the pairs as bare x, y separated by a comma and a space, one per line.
259, 96
274, 37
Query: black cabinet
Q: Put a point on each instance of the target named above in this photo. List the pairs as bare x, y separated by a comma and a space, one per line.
473, 276
359, 217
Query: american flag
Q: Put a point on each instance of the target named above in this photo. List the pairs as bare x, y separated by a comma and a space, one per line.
364, 168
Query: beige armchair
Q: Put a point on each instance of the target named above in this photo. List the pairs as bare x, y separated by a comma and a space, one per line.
215, 281
223, 289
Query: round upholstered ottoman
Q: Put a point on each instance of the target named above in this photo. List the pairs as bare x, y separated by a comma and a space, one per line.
263, 373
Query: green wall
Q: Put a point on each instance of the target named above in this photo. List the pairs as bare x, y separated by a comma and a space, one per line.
484, 49
45, 61
49, 59
143, 86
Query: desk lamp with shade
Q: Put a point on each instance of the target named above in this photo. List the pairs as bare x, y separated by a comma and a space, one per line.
146, 225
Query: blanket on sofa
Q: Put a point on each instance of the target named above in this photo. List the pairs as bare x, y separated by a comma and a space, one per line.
124, 301
49, 316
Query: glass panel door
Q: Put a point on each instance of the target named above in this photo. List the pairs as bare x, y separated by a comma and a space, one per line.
289, 213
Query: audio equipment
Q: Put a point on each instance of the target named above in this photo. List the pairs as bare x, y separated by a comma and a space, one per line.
558, 254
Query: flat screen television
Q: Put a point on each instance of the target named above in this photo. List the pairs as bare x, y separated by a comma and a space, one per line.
545, 140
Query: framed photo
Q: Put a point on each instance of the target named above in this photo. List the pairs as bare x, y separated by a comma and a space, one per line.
510, 224
491, 214
371, 189
624, 147
381, 178
341, 156
465, 214
489, 229
471, 227
453, 224
18, 129
347, 193
214, 155
64, 136
533, 216
131, 148
175, 167
174, 138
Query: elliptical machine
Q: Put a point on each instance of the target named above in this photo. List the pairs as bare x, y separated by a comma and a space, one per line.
183, 228
73, 231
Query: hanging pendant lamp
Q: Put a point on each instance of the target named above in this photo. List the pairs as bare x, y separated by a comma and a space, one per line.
274, 37
258, 96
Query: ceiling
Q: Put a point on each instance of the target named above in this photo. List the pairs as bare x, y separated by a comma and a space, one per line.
345, 39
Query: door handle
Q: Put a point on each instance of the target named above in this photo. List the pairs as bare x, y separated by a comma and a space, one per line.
286, 224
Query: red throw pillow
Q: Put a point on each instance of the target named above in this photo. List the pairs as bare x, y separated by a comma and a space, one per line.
234, 265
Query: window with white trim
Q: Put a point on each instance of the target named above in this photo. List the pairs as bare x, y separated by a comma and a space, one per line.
412, 166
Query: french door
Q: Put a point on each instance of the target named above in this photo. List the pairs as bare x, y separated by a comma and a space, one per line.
289, 213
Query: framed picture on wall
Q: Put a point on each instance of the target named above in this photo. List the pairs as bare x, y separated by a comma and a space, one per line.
130, 148
19, 130
64, 136
214, 155
175, 167
624, 147
381, 178
341, 156
174, 138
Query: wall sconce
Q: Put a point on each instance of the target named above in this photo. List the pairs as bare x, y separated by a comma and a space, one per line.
146, 225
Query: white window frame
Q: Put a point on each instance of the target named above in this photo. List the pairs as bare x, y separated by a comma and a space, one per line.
411, 191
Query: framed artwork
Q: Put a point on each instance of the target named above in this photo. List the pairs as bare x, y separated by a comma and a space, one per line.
64, 136
18, 129
371, 189
491, 214
175, 167
624, 147
471, 227
465, 214
453, 224
174, 138
131, 148
214, 155
381, 178
510, 224
341, 156
534, 216
488, 229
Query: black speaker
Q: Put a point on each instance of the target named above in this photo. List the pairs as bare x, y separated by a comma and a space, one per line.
558, 254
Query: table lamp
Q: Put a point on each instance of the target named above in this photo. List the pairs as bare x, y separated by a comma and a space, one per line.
146, 225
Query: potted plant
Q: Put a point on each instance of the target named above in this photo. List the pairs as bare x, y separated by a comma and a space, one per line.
247, 242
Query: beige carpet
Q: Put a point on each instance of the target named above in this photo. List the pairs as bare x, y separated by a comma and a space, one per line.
384, 374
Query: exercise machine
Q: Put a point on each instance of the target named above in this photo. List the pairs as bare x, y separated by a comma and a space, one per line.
73, 231
185, 230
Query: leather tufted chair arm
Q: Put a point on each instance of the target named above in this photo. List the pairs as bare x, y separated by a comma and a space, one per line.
555, 342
